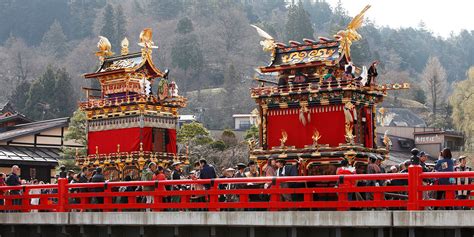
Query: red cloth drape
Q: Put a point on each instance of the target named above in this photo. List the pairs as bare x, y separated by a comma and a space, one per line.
171, 143
328, 120
128, 138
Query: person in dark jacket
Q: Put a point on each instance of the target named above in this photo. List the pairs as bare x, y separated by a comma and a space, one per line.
62, 172
124, 199
98, 178
207, 172
14, 180
176, 175
423, 159
287, 170
84, 175
444, 164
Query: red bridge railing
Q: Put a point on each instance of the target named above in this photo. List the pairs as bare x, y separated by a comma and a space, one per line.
329, 192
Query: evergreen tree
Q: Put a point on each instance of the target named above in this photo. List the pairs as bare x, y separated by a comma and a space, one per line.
38, 104
120, 24
298, 24
64, 102
20, 95
186, 54
51, 95
229, 138
109, 29
76, 132
252, 133
54, 40
194, 133
83, 16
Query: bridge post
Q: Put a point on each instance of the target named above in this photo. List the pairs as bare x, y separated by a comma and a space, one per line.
62, 194
343, 195
414, 183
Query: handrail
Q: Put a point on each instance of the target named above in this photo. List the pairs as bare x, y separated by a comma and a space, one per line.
330, 192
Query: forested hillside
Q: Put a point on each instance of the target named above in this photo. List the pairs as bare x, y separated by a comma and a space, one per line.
47, 45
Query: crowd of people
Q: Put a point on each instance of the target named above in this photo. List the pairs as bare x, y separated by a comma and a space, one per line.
273, 168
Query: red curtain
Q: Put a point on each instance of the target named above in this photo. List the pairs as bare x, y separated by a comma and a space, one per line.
328, 120
128, 138
171, 142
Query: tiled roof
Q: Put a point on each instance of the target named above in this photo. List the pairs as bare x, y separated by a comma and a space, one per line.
14, 116
402, 117
32, 128
20, 155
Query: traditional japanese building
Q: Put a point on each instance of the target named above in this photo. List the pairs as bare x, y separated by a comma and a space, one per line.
322, 108
35, 146
127, 124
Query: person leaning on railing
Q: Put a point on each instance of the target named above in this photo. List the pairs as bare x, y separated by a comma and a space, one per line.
14, 180
206, 172
176, 175
98, 178
197, 187
444, 164
147, 175
462, 167
284, 170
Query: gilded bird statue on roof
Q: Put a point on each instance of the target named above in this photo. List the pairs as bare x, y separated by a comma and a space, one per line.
105, 48
146, 39
349, 35
268, 43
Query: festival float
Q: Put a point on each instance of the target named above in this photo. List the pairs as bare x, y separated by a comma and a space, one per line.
128, 125
322, 107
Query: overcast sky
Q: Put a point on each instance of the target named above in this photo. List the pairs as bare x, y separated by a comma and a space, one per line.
440, 17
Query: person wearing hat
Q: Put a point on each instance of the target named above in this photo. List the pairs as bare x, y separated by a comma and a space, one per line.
196, 186
240, 173
462, 194
70, 175
240, 170
176, 175
228, 173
